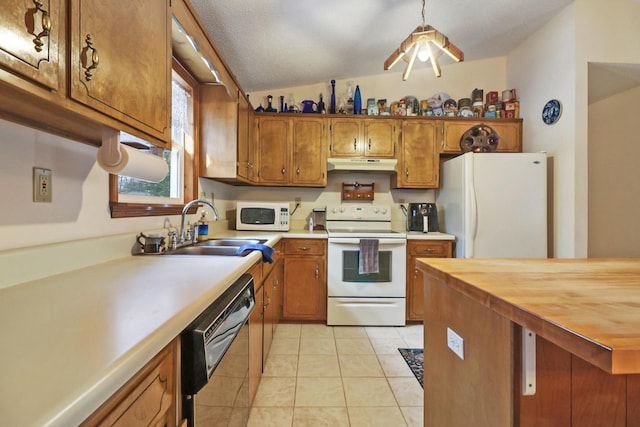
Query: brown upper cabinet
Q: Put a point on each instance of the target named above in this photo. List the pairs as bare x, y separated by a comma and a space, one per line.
29, 40
73, 68
291, 150
418, 156
308, 152
121, 61
273, 133
509, 130
362, 137
226, 127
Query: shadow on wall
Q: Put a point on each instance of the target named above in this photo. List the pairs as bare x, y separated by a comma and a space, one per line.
69, 161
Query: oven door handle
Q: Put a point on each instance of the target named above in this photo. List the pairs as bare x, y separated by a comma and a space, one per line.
348, 241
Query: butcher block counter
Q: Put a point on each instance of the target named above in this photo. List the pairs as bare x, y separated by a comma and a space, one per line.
583, 315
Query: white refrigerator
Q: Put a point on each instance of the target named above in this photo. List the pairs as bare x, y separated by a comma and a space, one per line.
495, 204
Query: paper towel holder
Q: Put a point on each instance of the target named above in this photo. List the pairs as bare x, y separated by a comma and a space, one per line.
121, 159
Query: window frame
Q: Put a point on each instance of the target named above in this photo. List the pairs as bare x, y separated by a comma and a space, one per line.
191, 162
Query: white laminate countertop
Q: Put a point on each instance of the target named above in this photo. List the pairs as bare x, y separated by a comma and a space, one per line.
71, 340
417, 235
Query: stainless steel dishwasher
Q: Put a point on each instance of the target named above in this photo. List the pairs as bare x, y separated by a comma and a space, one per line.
215, 360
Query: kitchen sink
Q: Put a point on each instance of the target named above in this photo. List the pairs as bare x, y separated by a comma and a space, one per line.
229, 242
219, 247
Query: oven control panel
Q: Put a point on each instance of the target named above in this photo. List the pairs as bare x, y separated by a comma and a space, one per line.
358, 212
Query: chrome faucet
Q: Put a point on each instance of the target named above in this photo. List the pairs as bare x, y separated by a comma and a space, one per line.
186, 208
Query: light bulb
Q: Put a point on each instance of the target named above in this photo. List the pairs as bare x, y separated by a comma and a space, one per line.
423, 53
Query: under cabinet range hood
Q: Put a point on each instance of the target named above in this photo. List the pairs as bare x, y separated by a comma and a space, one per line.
361, 164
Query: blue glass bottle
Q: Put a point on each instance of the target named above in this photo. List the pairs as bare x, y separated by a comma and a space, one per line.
357, 101
332, 104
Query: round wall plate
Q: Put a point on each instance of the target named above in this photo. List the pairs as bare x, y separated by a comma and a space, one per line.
551, 111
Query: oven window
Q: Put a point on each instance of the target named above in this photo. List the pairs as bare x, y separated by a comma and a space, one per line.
351, 261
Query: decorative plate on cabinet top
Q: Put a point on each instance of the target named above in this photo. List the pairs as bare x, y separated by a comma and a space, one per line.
551, 111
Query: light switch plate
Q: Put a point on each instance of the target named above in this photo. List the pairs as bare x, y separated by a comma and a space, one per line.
455, 343
42, 185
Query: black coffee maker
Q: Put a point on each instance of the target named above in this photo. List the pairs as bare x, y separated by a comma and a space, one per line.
418, 213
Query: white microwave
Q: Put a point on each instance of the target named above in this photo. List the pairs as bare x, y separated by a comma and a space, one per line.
262, 216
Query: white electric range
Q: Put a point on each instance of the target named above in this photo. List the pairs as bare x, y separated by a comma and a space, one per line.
365, 299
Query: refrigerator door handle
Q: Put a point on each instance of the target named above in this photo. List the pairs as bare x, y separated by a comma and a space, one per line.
471, 202
473, 207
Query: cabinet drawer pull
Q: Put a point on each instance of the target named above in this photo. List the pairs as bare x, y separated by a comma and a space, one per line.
298, 171
429, 250
283, 170
95, 59
407, 172
46, 26
415, 273
317, 271
355, 147
304, 248
369, 144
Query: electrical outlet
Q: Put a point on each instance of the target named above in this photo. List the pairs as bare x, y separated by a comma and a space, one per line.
455, 343
42, 185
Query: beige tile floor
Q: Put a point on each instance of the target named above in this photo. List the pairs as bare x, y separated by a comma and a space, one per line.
337, 376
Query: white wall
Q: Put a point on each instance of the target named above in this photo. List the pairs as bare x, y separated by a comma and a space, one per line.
543, 68
74, 230
310, 198
80, 198
605, 32
614, 177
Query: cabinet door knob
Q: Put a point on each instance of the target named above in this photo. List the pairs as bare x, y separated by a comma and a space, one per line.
46, 26
298, 171
95, 59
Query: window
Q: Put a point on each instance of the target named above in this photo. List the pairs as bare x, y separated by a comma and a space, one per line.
131, 197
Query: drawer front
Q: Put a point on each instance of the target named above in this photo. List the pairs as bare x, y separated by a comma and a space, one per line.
435, 249
305, 246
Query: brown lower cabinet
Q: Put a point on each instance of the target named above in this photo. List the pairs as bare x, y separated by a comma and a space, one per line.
415, 279
305, 280
149, 398
268, 281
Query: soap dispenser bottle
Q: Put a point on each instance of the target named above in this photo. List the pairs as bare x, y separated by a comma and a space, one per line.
203, 227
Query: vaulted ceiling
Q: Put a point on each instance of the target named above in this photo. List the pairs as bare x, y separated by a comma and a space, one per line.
272, 44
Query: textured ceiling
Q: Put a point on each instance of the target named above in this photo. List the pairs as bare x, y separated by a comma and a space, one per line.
272, 44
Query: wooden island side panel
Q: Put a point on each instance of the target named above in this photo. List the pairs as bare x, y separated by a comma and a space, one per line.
579, 380
453, 388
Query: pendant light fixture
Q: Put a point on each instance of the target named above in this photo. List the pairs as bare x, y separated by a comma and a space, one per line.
424, 43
